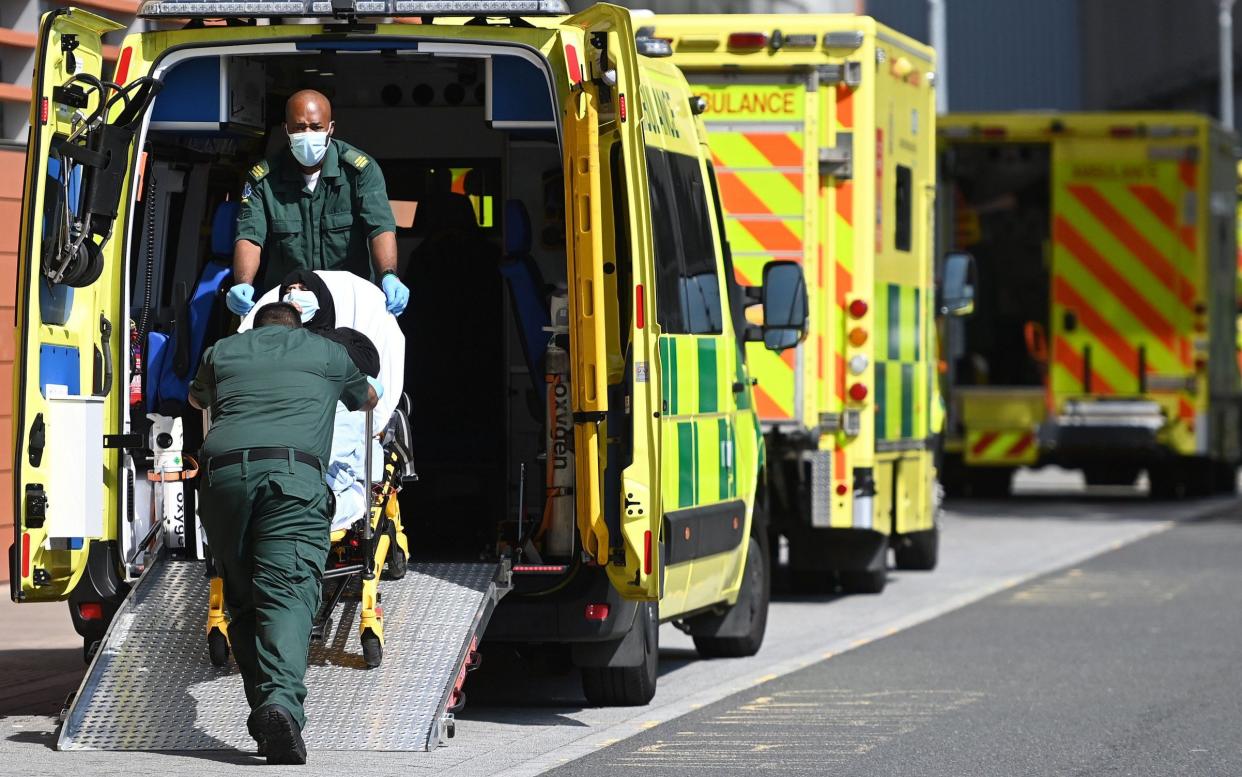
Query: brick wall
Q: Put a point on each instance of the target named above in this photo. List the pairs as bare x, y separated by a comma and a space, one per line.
12, 172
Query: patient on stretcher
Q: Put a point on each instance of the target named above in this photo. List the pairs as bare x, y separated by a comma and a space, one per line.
377, 347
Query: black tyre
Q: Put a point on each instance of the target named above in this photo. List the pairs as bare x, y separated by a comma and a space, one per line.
397, 564
754, 596
372, 649
628, 686
989, 482
863, 581
918, 550
813, 581
218, 648
1111, 475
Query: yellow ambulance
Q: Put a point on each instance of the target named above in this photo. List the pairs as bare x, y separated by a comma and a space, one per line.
576, 155
822, 134
1103, 338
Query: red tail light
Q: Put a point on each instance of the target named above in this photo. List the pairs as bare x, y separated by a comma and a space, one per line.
993, 132
639, 310
90, 611
858, 392
842, 489
748, 40
1123, 132
596, 612
858, 308
25, 555
646, 553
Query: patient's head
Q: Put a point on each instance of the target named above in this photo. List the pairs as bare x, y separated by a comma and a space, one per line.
359, 347
278, 314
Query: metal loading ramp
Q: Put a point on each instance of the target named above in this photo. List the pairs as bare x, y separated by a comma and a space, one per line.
151, 685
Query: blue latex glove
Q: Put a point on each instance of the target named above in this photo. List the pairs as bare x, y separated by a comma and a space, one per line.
375, 384
396, 293
240, 299
339, 476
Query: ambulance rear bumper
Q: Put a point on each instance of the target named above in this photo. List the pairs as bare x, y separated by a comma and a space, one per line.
1126, 429
562, 615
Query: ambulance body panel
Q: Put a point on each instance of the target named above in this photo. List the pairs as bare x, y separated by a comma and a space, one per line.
822, 135
666, 454
1102, 339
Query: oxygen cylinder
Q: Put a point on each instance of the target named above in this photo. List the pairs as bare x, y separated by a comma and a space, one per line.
559, 521
167, 468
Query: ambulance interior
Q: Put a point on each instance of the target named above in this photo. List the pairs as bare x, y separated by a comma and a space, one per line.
1000, 194
469, 149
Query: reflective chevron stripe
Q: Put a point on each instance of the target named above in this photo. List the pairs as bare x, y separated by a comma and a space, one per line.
1001, 447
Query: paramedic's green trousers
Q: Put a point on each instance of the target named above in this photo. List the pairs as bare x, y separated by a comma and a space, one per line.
267, 523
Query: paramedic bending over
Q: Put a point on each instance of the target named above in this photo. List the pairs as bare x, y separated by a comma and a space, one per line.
318, 204
272, 392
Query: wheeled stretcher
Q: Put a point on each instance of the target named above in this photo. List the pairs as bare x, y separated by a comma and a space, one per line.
372, 543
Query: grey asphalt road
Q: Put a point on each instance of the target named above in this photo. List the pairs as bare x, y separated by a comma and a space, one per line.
525, 719
1127, 664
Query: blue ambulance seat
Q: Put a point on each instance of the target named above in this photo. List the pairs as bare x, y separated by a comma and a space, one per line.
167, 382
526, 288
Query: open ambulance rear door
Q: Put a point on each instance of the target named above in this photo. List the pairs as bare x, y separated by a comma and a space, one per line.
621, 531
69, 370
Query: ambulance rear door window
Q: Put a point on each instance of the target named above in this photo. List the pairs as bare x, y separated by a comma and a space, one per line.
687, 285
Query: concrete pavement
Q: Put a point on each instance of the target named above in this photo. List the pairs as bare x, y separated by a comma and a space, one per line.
526, 717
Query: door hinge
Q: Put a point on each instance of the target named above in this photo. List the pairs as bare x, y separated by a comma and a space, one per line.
838, 161
36, 506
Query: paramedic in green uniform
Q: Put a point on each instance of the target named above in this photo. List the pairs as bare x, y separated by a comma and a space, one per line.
318, 204
272, 392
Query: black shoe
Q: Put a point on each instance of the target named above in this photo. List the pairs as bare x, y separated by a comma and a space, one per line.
256, 733
281, 734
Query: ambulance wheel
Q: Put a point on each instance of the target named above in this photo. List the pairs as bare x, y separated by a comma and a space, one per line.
989, 482
752, 606
863, 581
917, 550
1105, 475
397, 564
628, 686
372, 649
218, 648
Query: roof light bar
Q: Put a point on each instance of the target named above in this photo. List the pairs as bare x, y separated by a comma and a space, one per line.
748, 40
843, 39
483, 7
332, 8
654, 47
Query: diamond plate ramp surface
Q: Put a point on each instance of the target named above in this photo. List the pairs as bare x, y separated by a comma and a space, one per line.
152, 686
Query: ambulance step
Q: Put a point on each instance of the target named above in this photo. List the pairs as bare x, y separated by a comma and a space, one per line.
151, 686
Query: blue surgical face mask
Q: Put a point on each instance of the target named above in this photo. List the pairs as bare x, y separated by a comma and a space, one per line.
306, 300
309, 147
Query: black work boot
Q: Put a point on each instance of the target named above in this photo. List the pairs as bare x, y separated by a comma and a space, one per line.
255, 727
281, 735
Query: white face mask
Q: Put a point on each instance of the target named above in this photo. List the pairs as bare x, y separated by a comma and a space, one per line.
309, 147
306, 301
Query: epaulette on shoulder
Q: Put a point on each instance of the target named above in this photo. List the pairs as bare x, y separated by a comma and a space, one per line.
357, 159
259, 171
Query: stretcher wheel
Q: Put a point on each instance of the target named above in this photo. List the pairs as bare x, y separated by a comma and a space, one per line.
218, 648
397, 564
372, 649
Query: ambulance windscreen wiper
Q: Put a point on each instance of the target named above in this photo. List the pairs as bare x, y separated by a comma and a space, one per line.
94, 159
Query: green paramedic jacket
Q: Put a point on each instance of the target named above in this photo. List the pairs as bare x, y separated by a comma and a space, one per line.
329, 228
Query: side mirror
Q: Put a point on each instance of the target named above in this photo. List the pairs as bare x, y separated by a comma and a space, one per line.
785, 308
956, 293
